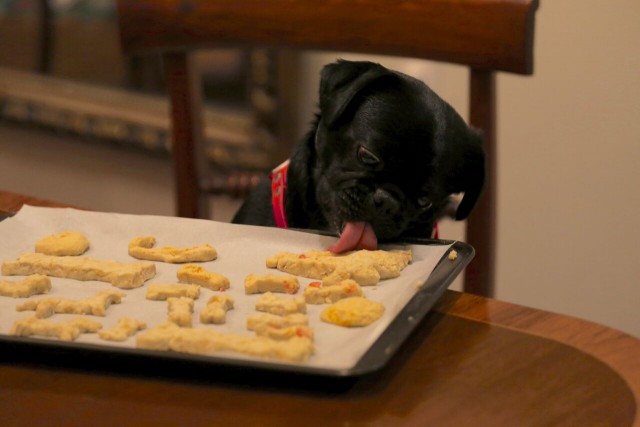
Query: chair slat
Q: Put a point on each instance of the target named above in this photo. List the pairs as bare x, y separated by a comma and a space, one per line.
484, 34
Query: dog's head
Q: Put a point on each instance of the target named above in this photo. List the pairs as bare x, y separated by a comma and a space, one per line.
389, 155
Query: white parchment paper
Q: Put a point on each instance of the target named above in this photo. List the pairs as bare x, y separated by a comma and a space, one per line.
241, 250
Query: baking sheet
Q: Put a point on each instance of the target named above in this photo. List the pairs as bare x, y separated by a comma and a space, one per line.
241, 250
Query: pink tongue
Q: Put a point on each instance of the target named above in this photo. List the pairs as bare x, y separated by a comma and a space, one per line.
356, 235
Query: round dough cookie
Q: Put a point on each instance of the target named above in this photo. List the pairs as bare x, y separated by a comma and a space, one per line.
65, 243
354, 311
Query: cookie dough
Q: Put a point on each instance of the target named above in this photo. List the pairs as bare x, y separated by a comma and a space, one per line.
216, 310
143, 248
202, 341
31, 285
259, 320
280, 306
180, 311
65, 243
158, 292
365, 267
196, 275
119, 274
208, 341
157, 338
96, 305
68, 330
280, 327
125, 328
258, 284
355, 311
286, 333
316, 293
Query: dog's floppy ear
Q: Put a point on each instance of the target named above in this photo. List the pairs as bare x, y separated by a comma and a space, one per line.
465, 166
340, 82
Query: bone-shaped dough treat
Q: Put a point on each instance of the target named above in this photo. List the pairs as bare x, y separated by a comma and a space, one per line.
119, 274
259, 320
31, 285
125, 328
158, 292
208, 341
68, 330
157, 338
280, 327
257, 284
317, 293
96, 305
280, 306
197, 275
142, 248
203, 341
286, 333
216, 310
65, 243
365, 267
180, 311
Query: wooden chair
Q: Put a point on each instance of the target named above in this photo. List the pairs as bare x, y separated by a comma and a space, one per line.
486, 35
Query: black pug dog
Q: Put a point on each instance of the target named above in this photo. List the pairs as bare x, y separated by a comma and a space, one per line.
382, 161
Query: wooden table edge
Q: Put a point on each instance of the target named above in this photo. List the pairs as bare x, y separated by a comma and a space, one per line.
616, 349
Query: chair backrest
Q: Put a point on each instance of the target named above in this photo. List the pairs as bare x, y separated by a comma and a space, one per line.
485, 35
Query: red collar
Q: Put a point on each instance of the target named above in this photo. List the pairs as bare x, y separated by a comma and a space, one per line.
278, 186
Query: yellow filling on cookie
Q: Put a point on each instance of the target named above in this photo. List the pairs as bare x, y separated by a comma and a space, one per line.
354, 311
65, 243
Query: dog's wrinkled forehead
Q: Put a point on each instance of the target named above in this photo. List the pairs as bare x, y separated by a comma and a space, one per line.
394, 120
388, 113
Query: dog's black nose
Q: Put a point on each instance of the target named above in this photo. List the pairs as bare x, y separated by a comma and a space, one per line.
385, 203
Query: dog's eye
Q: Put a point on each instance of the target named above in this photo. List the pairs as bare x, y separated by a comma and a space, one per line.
367, 157
424, 203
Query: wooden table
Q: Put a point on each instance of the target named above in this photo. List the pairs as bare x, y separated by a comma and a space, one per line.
473, 362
